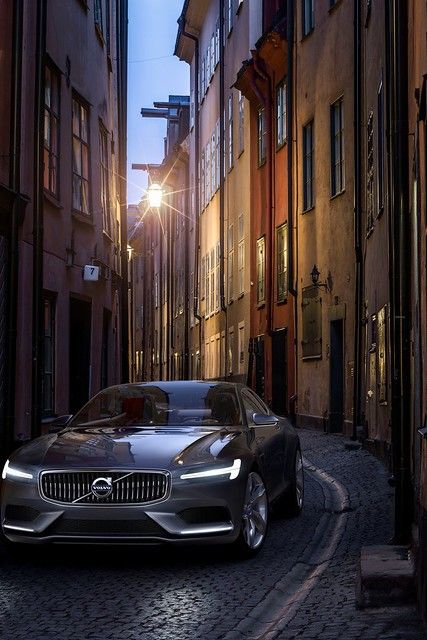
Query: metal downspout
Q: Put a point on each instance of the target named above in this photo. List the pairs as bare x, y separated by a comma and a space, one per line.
222, 160
357, 220
196, 292
15, 185
38, 222
122, 41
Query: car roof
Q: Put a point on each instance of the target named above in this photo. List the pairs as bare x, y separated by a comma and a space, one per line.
169, 385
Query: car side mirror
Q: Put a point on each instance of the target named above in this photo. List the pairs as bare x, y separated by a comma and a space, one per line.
59, 423
264, 419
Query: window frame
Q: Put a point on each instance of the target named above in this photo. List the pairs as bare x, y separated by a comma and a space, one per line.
282, 245
83, 105
337, 166
307, 25
262, 146
52, 116
104, 164
308, 197
281, 114
260, 270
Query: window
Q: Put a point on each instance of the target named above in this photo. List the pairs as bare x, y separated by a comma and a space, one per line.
230, 133
380, 148
230, 351
241, 103
241, 257
98, 17
202, 180
213, 288
307, 16
105, 195
207, 285
337, 148
212, 53
282, 262
382, 354
217, 42
51, 132
208, 171
217, 276
49, 356
218, 156
308, 166
262, 148
229, 15
213, 164
311, 323
260, 269
370, 173
230, 262
80, 157
281, 114
202, 278
241, 347
156, 290
203, 80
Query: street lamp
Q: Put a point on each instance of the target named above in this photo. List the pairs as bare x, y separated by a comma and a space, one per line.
155, 195
315, 273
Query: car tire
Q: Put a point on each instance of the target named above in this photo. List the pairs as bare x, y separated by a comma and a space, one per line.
291, 502
254, 524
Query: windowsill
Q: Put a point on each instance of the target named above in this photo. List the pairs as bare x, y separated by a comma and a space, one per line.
107, 236
337, 195
261, 305
240, 153
240, 296
239, 8
82, 217
334, 6
305, 36
309, 209
308, 358
99, 34
281, 145
52, 199
369, 232
261, 164
380, 212
229, 33
110, 63
282, 302
231, 169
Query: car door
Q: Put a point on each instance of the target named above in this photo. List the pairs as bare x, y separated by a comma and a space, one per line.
268, 442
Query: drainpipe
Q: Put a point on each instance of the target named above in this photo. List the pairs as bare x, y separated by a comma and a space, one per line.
196, 298
186, 278
15, 185
400, 262
292, 279
122, 41
357, 132
38, 222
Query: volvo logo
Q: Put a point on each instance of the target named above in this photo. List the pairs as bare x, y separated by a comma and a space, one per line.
102, 487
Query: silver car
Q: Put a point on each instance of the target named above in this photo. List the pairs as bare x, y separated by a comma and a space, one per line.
156, 462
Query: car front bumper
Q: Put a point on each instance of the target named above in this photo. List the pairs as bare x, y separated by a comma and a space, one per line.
201, 511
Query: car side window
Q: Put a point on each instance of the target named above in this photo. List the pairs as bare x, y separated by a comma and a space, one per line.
250, 406
262, 407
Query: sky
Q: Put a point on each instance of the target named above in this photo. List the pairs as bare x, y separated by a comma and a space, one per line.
154, 73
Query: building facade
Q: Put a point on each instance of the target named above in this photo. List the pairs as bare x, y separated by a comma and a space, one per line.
214, 38
66, 312
324, 188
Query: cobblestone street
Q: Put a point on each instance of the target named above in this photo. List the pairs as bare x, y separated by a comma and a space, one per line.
301, 585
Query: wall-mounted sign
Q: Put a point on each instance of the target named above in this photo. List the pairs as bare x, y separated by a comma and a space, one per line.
91, 273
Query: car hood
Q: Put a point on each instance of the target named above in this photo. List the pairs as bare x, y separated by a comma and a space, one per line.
142, 448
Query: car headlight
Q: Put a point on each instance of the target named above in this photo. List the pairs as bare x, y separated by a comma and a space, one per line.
232, 471
13, 472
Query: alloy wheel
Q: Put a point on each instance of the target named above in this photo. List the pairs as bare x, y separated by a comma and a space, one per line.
255, 512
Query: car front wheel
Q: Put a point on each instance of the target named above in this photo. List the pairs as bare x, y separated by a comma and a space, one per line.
254, 516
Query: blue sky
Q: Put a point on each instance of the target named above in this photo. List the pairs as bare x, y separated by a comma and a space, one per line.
152, 34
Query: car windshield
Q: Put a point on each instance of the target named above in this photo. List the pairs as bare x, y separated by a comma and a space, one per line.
162, 405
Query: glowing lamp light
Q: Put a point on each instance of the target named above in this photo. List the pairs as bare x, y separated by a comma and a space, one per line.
155, 195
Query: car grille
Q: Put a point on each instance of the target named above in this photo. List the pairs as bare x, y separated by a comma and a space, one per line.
139, 487
108, 528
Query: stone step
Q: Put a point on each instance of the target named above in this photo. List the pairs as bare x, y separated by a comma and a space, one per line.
385, 576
